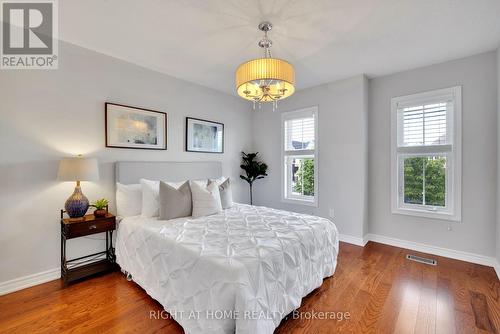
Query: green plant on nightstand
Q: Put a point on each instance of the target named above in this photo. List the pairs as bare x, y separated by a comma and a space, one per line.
100, 207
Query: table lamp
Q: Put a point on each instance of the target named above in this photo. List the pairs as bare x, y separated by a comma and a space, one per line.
77, 169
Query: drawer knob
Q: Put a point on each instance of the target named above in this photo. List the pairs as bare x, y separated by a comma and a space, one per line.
92, 227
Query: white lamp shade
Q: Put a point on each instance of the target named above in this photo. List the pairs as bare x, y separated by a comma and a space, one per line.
78, 169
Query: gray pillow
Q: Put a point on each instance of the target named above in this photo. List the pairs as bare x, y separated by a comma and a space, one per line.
226, 194
175, 202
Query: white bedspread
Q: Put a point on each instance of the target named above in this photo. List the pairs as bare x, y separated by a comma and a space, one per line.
239, 271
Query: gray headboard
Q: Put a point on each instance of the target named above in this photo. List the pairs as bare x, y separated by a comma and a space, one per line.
128, 172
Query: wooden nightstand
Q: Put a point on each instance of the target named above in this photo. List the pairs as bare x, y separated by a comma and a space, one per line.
84, 266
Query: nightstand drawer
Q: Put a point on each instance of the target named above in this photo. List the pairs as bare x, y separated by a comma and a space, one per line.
75, 230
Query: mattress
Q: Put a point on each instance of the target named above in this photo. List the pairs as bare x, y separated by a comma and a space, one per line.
241, 271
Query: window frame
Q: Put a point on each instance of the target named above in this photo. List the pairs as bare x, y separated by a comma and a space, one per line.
286, 193
451, 150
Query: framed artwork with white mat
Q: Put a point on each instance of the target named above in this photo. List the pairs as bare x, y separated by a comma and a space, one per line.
133, 127
204, 136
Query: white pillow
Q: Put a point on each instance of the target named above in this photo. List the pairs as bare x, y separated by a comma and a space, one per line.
128, 199
151, 196
202, 182
206, 199
226, 194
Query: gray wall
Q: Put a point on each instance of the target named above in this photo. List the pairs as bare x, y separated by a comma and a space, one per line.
47, 115
342, 115
476, 232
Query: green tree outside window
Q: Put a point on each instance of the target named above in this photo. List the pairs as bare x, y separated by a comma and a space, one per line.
304, 177
428, 172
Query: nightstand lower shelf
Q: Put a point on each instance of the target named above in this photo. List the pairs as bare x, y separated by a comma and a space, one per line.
82, 271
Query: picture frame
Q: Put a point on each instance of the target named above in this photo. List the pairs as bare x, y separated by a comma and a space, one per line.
134, 127
204, 136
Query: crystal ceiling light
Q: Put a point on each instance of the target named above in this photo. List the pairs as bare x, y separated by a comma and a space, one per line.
265, 79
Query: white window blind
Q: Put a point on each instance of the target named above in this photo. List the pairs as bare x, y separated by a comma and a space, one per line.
425, 125
299, 134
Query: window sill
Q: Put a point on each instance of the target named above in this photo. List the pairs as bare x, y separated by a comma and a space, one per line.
427, 214
300, 202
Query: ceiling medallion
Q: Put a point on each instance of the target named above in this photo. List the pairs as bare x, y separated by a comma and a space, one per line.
265, 79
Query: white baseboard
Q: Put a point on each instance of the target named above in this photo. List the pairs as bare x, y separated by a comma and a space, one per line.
424, 248
28, 281
439, 251
353, 240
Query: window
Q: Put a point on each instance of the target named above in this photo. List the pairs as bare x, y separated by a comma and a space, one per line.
426, 154
300, 144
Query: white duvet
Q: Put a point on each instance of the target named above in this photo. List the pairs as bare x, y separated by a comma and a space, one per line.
241, 271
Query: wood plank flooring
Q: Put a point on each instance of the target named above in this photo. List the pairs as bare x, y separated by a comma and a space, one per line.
376, 286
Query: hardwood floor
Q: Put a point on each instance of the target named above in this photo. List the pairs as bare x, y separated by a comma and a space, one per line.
376, 286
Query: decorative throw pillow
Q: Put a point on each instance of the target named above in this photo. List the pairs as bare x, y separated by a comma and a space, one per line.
202, 182
128, 199
175, 202
206, 200
226, 194
151, 197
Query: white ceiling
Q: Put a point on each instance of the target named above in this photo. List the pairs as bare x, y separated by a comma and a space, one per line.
204, 41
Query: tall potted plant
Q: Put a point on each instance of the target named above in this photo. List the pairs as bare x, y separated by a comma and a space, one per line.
253, 168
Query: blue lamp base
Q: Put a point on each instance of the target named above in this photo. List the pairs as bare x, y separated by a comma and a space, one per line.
77, 204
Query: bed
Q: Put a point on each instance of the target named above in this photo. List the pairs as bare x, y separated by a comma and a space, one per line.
240, 271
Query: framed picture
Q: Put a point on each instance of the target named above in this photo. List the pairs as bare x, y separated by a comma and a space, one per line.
204, 136
131, 127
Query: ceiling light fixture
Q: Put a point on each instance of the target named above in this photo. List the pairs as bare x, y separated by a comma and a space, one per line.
265, 79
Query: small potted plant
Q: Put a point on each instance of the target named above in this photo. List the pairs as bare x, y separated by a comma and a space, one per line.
100, 207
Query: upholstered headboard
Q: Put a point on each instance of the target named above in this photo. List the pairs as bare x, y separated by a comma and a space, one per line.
128, 172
